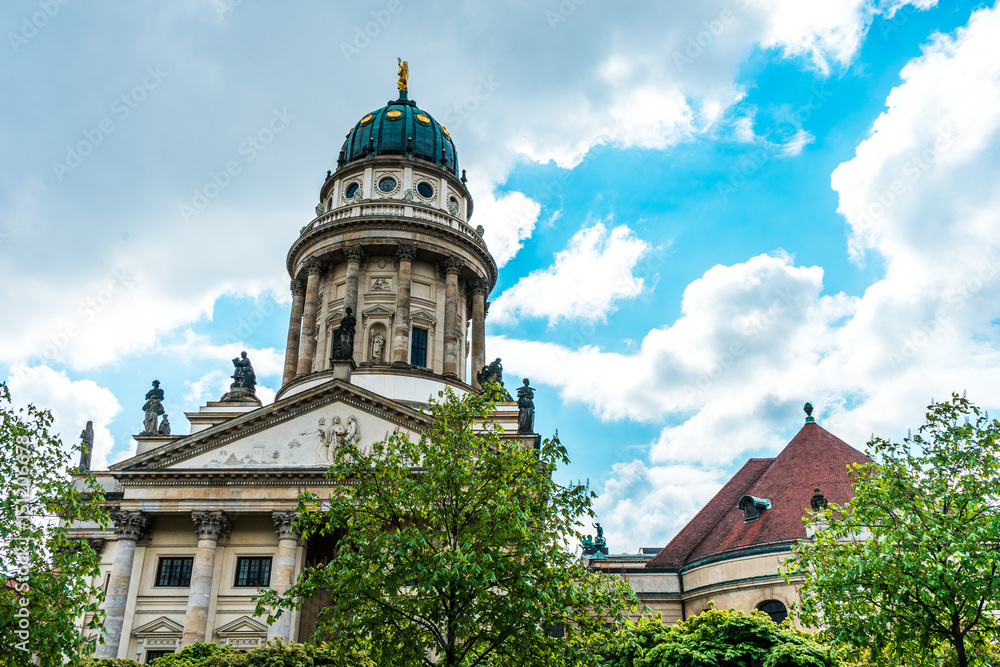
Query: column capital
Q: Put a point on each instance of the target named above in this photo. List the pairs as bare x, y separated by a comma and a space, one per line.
405, 253
130, 525
298, 288
314, 267
478, 286
452, 265
211, 525
96, 543
283, 524
355, 253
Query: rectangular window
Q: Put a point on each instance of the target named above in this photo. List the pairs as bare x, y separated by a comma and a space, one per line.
174, 571
418, 349
153, 655
253, 571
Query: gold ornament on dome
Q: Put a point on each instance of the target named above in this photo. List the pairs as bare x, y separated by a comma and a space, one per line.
445, 132
367, 119
349, 132
423, 119
394, 113
404, 74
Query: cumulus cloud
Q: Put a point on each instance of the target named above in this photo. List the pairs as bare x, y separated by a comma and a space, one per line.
584, 282
73, 403
757, 339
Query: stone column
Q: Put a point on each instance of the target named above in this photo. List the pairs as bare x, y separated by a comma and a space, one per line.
355, 255
283, 571
210, 526
294, 331
307, 339
129, 527
479, 288
401, 326
453, 331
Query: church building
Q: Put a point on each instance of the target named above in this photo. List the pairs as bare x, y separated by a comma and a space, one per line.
389, 287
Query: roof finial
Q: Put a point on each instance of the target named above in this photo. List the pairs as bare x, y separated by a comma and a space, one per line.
404, 74
808, 407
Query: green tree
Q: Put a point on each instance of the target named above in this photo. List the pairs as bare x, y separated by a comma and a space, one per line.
48, 575
722, 638
911, 564
452, 550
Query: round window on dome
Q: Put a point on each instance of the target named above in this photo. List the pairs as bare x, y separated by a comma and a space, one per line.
367, 119
445, 132
423, 119
351, 190
387, 184
393, 114
425, 189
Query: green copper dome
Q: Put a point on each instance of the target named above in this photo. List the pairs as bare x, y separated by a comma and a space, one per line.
400, 128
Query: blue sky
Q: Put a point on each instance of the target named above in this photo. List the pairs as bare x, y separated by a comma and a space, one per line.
706, 214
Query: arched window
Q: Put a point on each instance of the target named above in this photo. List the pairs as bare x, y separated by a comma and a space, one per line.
776, 610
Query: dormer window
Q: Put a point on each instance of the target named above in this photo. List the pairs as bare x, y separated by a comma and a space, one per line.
752, 507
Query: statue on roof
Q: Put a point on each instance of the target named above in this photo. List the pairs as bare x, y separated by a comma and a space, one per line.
493, 372
525, 408
404, 74
153, 407
244, 385
87, 440
164, 427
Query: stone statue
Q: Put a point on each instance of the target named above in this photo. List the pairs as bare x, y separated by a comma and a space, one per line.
525, 408
153, 407
600, 540
87, 439
408, 196
404, 74
343, 347
320, 210
244, 385
378, 345
164, 427
493, 372
353, 433
454, 208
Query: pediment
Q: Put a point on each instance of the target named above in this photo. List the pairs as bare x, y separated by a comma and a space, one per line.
159, 627
421, 316
301, 432
378, 310
242, 626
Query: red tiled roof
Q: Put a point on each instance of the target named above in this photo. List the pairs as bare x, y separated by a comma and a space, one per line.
814, 458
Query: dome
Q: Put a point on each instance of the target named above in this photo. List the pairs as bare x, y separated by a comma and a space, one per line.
400, 128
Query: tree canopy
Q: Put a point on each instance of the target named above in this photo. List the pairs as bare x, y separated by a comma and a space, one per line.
453, 549
51, 579
909, 568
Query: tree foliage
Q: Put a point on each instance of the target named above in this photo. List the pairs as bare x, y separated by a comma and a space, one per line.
910, 566
274, 654
715, 638
48, 575
452, 550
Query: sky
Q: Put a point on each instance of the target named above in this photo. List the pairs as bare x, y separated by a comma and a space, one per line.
705, 214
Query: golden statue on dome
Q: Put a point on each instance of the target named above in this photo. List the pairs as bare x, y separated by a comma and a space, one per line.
404, 73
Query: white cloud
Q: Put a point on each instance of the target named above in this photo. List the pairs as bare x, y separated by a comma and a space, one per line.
584, 282
508, 220
793, 147
73, 403
641, 504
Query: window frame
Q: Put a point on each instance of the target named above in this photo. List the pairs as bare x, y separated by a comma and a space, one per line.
414, 348
260, 559
160, 572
